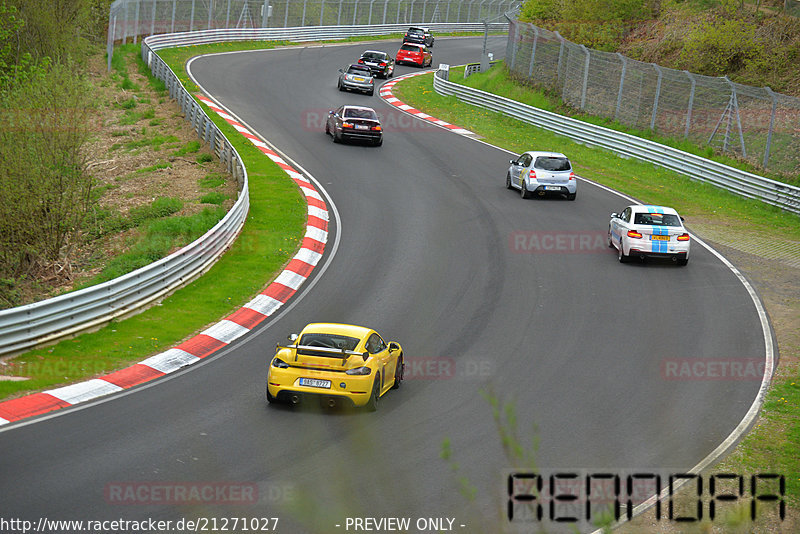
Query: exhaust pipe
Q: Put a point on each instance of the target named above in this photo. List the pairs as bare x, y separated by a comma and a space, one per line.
541, 192
331, 403
295, 399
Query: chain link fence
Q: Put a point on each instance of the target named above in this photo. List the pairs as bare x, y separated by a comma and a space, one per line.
753, 123
133, 19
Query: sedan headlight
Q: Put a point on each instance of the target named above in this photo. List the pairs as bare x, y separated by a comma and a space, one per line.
360, 371
280, 364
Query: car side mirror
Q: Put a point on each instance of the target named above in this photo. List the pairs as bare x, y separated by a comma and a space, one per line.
682, 219
330, 112
340, 70
393, 346
293, 337
614, 215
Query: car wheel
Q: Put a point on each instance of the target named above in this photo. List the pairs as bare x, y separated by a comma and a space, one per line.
610, 242
341, 87
371, 92
379, 142
621, 253
391, 73
334, 138
372, 403
523, 190
327, 128
508, 182
682, 262
571, 196
399, 369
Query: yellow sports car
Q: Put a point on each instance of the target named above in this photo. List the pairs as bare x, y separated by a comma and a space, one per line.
337, 364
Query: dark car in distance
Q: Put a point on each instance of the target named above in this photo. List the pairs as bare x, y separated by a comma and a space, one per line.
380, 63
358, 123
418, 35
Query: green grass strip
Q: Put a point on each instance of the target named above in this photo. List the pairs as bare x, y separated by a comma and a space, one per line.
641, 180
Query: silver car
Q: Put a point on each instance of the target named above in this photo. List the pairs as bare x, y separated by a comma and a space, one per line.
357, 78
542, 173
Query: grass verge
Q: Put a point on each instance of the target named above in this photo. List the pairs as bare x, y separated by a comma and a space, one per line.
771, 446
632, 177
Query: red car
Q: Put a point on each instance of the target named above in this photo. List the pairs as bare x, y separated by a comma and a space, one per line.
417, 54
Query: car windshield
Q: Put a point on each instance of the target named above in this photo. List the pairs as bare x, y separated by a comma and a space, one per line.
415, 31
356, 113
409, 48
549, 163
372, 55
329, 341
657, 219
359, 71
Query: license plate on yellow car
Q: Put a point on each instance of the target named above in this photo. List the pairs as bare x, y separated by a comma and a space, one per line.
659, 238
315, 383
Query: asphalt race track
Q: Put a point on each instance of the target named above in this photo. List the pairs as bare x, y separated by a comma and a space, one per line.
431, 256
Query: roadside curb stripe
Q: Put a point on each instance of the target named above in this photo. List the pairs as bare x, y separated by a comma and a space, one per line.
386, 93
215, 337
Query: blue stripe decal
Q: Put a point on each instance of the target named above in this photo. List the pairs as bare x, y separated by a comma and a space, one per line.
660, 246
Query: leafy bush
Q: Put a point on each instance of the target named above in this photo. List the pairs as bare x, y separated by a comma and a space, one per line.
599, 24
719, 47
160, 207
190, 147
214, 198
45, 189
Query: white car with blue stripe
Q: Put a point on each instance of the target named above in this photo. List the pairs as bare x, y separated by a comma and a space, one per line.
642, 231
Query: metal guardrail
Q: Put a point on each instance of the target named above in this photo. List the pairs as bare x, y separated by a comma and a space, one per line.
24, 327
301, 34
736, 181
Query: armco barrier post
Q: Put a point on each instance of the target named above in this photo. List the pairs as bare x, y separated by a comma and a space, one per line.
656, 97
624, 61
771, 125
585, 85
533, 51
690, 105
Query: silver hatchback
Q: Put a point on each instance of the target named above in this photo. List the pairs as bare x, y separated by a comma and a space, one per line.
542, 173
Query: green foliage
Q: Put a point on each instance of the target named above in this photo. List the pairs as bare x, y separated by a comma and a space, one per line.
159, 237
17, 66
155, 167
211, 181
213, 198
204, 158
129, 103
718, 47
132, 117
598, 24
59, 32
160, 207
45, 188
10, 294
188, 148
